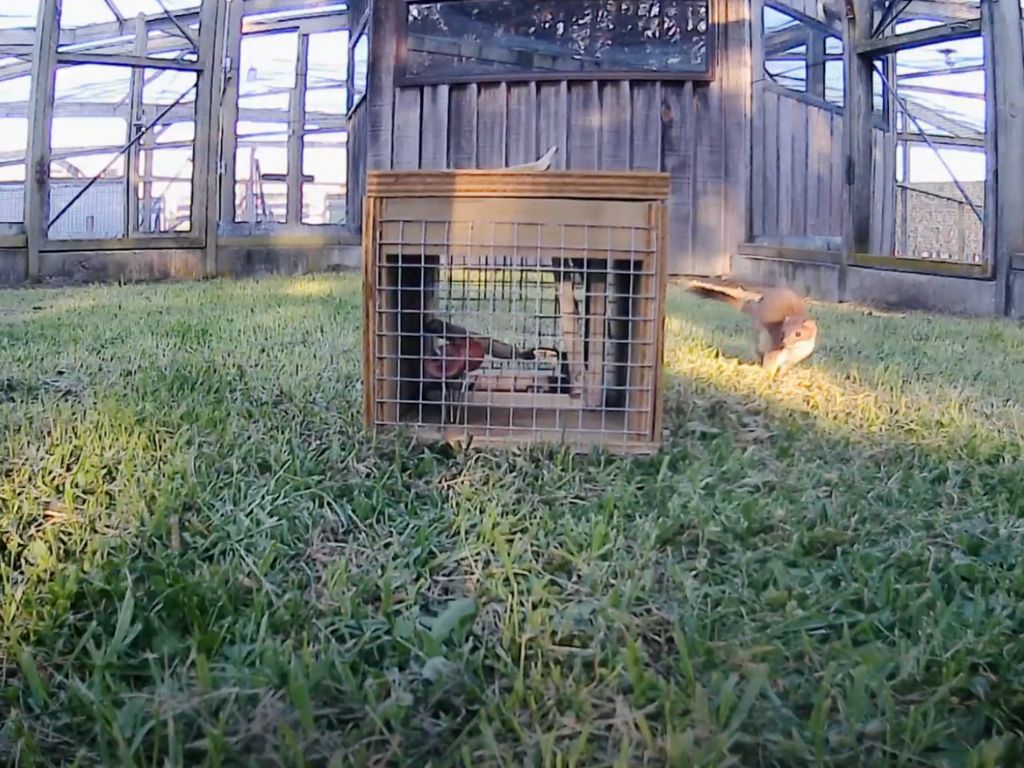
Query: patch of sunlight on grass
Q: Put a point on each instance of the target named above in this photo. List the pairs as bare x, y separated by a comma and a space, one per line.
204, 560
933, 408
309, 286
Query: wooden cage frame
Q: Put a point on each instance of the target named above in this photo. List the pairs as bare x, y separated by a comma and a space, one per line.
638, 199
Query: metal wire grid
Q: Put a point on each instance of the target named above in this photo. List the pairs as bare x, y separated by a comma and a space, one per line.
510, 337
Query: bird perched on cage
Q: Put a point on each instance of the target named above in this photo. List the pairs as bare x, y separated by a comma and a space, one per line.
785, 333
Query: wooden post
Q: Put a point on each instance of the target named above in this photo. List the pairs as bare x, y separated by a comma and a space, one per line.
816, 63
147, 183
40, 130
857, 120
737, 110
209, 92
229, 114
904, 225
1004, 62
135, 124
385, 26
296, 125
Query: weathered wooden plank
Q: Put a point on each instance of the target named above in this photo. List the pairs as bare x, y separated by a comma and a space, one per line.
553, 121
787, 108
819, 180
798, 218
837, 205
406, 139
522, 124
385, 22
943, 33
228, 113
584, 124
757, 40
1007, 48
677, 136
356, 183
492, 110
771, 163
858, 132
816, 63
989, 228
462, 107
40, 129
737, 130
646, 126
615, 126
757, 162
709, 172
812, 171
877, 190
875, 176
133, 157
434, 127
297, 119
205, 160
600, 185
889, 194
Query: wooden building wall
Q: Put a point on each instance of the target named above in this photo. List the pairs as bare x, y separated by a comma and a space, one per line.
697, 132
797, 162
356, 184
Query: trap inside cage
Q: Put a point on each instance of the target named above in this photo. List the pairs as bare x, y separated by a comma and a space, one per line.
517, 320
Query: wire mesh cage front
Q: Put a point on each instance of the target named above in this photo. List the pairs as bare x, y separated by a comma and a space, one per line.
515, 319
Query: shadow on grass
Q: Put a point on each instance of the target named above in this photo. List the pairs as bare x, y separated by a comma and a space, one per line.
233, 570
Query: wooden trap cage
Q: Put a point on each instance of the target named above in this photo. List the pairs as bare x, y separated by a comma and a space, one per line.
510, 308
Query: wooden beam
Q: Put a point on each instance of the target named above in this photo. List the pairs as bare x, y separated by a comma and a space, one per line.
209, 92
816, 64
125, 60
922, 266
1004, 56
153, 242
324, 22
296, 120
17, 37
828, 21
135, 125
111, 30
229, 115
941, 91
182, 113
385, 24
936, 10
857, 134
964, 142
40, 130
16, 156
956, 30
170, 45
941, 120
266, 6
782, 40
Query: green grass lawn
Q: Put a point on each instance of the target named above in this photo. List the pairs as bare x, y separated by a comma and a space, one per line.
204, 560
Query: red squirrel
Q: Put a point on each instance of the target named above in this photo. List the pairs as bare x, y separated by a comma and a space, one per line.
786, 335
